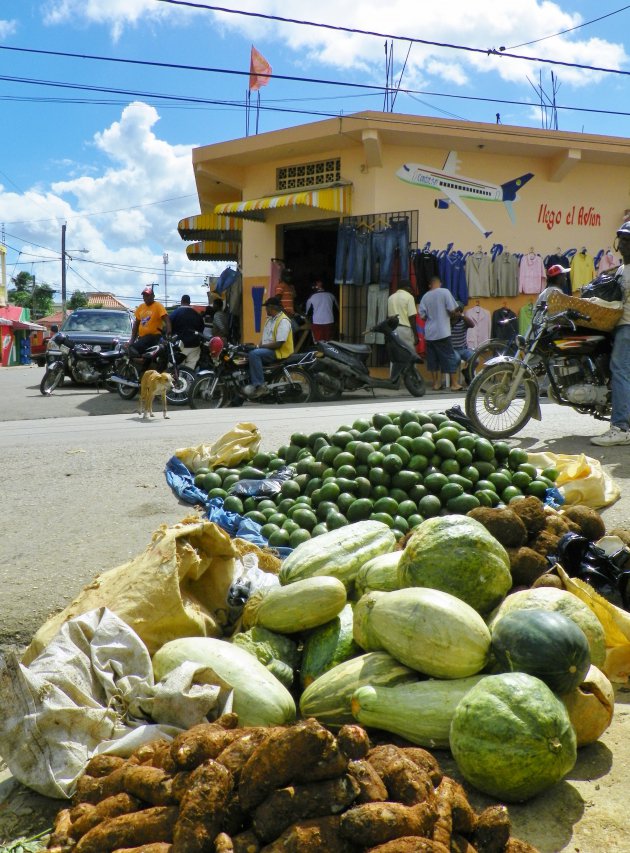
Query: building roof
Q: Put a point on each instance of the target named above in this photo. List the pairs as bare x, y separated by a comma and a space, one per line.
106, 300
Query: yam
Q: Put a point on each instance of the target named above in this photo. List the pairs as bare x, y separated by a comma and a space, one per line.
353, 741
155, 847
371, 787
311, 836
375, 823
180, 783
161, 757
149, 784
61, 839
235, 755
515, 845
102, 765
223, 843
93, 790
130, 830
191, 748
95, 814
492, 830
300, 802
460, 844
405, 782
463, 816
246, 842
146, 753
425, 761
201, 808
284, 756
410, 844
234, 818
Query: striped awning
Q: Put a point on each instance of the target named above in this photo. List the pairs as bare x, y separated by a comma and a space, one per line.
209, 226
337, 199
213, 250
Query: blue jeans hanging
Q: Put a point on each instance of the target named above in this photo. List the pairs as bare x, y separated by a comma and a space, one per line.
346, 248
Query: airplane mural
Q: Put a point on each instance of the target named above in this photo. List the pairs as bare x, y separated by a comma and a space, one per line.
456, 187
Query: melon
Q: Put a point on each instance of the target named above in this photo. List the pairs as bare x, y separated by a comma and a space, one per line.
559, 601
511, 737
456, 554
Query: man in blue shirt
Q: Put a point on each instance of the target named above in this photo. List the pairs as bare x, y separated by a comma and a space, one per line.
437, 306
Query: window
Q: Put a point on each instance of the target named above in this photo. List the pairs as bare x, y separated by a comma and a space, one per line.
308, 175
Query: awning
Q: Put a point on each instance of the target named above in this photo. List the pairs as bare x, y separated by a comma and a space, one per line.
4, 321
22, 324
337, 199
209, 226
212, 250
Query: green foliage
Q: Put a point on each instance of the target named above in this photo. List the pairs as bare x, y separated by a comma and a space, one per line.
77, 300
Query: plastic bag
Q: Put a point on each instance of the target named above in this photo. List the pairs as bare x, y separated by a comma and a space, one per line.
238, 445
607, 287
267, 488
581, 479
182, 482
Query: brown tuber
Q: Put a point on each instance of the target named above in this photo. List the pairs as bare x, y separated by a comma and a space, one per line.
526, 565
371, 787
202, 808
353, 741
492, 830
504, 524
130, 830
405, 781
589, 521
311, 836
531, 511
410, 844
376, 823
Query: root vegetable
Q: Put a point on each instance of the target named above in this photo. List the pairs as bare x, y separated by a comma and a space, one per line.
410, 844
236, 754
246, 842
147, 753
353, 741
300, 802
459, 844
223, 843
155, 847
193, 747
371, 787
515, 845
93, 790
492, 830
102, 765
425, 761
375, 823
311, 836
95, 814
130, 830
149, 784
61, 839
405, 781
201, 809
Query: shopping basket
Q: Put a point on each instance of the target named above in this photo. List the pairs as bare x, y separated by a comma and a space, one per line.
602, 318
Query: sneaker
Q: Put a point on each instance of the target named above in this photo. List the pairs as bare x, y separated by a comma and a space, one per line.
260, 390
615, 435
250, 390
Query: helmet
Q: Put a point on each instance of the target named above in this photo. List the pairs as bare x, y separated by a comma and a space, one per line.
215, 347
624, 229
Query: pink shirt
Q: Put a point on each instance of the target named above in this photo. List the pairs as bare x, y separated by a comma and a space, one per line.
531, 276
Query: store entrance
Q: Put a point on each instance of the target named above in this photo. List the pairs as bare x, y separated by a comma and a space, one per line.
309, 251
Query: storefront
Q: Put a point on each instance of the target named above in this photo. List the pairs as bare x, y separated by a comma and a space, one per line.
16, 329
364, 200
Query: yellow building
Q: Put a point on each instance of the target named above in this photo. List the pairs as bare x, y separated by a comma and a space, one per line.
292, 197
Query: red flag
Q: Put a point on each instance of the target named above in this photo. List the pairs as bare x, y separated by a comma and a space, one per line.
258, 65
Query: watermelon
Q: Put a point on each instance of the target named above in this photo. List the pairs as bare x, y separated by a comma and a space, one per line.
456, 554
511, 737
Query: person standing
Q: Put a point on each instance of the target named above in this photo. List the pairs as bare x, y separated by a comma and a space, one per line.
437, 306
320, 309
401, 304
186, 323
276, 342
151, 322
619, 432
460, 324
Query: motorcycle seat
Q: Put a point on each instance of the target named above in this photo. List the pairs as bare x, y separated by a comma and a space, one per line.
356, 349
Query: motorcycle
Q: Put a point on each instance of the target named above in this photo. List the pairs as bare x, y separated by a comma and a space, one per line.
343, 367
288, 380
165, 357
505, 395
85, 365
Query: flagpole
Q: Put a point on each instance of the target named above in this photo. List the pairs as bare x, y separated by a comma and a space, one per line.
257, 110
247, 97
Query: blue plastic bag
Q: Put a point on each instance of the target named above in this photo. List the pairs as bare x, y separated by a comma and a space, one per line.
182, 482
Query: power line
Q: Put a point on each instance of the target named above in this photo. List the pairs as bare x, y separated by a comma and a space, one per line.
99, 212
570, 30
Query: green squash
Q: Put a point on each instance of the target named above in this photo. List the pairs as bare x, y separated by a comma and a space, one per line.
327, 646
456, 554
511, 737
545, 644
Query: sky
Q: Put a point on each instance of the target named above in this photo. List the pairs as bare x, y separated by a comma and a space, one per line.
101, 104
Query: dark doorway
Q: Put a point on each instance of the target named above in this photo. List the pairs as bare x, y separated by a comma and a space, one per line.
309, 250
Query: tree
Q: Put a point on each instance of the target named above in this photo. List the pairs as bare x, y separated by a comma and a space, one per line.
28, 294
77, 300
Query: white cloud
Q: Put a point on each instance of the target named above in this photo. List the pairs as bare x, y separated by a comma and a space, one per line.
7, 28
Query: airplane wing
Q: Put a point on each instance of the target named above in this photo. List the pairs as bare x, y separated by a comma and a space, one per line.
451, 164
454, 197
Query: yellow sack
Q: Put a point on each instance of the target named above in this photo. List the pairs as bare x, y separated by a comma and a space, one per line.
233, 447
581, 480
176, 588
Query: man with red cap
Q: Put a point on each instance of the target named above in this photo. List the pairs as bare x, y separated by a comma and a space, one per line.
558, 276
151, 322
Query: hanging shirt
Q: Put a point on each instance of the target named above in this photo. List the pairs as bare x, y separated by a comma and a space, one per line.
525, 318
453, 275
480, 332
582, 270
608, 261
532, 277
505, 275
426, 266
479, 274
503, 325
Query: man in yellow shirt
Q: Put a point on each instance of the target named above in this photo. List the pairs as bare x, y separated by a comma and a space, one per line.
151, 322
276, 342
403, 304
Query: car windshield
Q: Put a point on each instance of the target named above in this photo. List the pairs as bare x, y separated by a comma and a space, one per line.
101, 322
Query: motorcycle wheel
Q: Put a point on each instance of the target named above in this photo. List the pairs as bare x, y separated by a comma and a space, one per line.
130, 373
484, 353
414, 383
50, 380
202, 395
327, 388
303, 389
178, 395
488, 406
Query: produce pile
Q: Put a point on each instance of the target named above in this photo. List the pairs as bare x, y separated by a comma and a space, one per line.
396, 468
283, 789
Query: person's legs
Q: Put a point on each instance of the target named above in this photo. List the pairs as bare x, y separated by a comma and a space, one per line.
619, 432
142, 344
257, 358
433, 365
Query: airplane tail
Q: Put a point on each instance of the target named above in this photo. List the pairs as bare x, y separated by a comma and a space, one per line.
511, 188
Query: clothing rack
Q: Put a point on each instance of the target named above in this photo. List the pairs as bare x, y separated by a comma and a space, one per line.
381, 221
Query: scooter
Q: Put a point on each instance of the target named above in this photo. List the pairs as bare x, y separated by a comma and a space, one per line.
343, 367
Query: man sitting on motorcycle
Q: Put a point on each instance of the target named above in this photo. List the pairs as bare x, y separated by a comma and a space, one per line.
151, 323
619, 432
186, 323
276, 342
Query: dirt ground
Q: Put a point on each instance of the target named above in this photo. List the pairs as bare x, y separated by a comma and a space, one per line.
109, 504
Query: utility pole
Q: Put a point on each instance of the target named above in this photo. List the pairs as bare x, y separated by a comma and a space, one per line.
165, 259
63, 272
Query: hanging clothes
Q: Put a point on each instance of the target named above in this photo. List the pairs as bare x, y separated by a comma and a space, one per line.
608, 261
525, 318
377, 297
453, 275
480, 332
532, 276
505, 268
504, 324
479, 274
426, 266
582, 270
563, 261
275, 274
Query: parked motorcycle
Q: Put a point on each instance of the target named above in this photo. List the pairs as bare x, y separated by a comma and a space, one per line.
288, 380
165, 357
343, 367
82, 362
504, 396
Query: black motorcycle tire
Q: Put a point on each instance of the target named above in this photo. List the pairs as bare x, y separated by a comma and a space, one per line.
483, 353
130, 373
297, 376
50, 380
199, 395
492, 416
414, 383
328, 388
180, 392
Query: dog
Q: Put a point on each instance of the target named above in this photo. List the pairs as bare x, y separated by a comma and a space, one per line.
152, 384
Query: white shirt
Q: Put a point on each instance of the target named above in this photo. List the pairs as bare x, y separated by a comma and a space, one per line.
282, 333
322, 304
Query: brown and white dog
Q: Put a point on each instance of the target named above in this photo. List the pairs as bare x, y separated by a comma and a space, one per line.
152, 384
